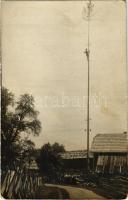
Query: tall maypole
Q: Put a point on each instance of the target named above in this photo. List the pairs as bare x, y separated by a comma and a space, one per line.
87, 52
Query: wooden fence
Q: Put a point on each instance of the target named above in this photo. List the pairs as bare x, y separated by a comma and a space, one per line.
20, 184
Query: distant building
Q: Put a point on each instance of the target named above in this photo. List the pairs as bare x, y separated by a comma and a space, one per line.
76, 160
110, 153
32, 166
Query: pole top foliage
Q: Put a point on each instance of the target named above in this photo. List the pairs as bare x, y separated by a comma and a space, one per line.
87, 10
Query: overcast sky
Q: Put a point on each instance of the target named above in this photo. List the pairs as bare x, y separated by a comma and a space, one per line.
42, 54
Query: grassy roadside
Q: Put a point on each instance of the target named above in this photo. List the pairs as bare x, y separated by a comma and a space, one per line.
47, 192
108, 193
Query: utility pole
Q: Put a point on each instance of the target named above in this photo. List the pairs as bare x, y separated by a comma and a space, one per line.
87, 52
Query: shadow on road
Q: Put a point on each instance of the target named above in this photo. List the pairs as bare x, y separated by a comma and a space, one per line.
47, 192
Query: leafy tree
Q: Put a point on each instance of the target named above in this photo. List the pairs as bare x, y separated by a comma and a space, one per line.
9, 149
50, 162
7, 99
57, 148
27, 150
16, 117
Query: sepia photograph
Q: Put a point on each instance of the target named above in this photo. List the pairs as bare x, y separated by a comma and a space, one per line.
64, 99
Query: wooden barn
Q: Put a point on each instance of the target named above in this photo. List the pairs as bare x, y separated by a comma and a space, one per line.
110, 153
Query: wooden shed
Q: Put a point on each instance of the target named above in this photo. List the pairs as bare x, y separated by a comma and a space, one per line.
76, 160
110, 153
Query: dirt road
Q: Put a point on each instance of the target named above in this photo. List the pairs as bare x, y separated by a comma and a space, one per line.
78, 193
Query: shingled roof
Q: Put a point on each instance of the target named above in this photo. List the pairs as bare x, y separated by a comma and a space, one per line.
75, 154
110, 143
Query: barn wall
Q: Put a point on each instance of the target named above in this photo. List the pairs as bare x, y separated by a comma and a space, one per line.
111, 163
